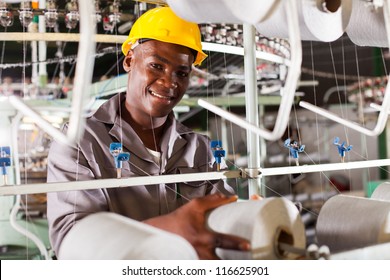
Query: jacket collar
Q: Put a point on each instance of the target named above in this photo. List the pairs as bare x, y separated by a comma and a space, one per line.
108, 112
171, 142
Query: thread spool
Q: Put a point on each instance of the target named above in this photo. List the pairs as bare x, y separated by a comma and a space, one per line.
375, 252
266, 223
319, 20
347, 223
382, 192
203, 11
367, 25
92, 239
252, 11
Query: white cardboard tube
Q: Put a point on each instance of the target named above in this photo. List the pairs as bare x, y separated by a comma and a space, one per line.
265, 223
90, 239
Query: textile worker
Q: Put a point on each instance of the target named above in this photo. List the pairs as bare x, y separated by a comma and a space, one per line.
159, 54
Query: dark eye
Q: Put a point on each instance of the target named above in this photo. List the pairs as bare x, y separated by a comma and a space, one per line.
156, 66
182, 74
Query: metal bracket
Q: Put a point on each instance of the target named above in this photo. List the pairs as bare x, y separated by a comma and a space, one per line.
250, 173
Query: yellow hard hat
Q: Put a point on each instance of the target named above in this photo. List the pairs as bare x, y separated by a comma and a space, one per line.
164, 25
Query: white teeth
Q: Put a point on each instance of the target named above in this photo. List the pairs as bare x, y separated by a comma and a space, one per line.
159, 96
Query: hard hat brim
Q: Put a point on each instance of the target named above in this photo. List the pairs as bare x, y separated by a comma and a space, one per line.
127, 45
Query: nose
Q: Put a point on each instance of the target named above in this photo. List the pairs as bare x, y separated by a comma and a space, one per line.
169, 81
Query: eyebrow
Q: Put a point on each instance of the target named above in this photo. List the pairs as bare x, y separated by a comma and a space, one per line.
164, 60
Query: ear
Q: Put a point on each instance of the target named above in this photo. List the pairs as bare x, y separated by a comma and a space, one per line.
127, 61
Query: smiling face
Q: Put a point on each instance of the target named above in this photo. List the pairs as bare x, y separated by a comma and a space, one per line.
158, 78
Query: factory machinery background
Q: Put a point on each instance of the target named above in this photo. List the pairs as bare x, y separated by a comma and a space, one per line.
339, 75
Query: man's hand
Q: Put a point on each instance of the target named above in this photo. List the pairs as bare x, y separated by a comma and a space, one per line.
189, 221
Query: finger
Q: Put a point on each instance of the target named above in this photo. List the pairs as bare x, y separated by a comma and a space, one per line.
214, 200
205, 246
231, 242
256, 197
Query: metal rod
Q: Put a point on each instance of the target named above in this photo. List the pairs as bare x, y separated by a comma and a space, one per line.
251, 107
324, 167
15, 148
241, 122
214, 47
84, 71
119, 39
284, 247
18, 104
380, 125
62, 37
117, 183
175, 178
42, 48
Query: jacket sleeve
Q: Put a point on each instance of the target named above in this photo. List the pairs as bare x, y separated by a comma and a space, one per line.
64, 209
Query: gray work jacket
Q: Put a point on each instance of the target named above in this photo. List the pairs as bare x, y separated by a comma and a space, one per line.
182, 151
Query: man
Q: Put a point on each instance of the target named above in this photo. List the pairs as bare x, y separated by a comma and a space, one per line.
160, 51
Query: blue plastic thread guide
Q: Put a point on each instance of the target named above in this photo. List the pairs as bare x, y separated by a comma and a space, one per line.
115, 148
5, 159
5, 152
219, 154
216, 144
121, 158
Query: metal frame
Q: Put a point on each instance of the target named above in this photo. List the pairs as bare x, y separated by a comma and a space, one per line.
287, 99
192, 177
83, 78
116, 183
63, 37
384, 109
287, 92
